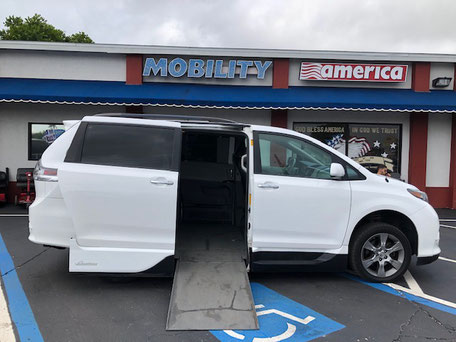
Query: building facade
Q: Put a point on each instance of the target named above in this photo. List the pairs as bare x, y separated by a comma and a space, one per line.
393, 109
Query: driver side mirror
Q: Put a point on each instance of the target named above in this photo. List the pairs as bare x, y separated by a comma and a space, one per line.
336, 171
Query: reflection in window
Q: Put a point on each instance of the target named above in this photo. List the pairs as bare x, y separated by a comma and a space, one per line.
286, 156
128, 146
41, 136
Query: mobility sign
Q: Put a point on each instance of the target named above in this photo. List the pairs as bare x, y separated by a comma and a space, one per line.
280, 319
199, 68
353, 72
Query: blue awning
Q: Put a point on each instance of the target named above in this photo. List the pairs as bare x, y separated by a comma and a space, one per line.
218, 96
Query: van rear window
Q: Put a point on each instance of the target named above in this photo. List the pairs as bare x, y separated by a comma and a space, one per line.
128, 146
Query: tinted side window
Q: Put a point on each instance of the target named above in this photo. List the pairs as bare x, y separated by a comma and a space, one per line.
128, 146
287, 156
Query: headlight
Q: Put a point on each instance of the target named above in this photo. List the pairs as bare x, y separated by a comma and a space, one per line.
419, 194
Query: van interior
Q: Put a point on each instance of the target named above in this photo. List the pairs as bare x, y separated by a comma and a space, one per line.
211, 287
212, 206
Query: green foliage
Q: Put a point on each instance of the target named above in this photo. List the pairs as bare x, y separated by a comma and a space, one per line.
79, 37
36, 28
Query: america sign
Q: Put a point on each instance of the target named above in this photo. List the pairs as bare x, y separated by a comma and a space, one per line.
353, 72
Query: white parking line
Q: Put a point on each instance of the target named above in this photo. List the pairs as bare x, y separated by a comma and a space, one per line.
422, 295
6, 327
447, 220
447, 226
446, 259
411, 282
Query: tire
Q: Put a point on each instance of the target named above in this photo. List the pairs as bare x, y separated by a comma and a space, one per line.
380, 252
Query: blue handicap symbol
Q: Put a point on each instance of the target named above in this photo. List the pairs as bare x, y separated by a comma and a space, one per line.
280, 319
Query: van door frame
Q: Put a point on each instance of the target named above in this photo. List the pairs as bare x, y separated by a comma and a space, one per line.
222, 131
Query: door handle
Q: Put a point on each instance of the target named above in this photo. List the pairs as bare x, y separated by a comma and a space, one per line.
243, 163
268, 185
161, 181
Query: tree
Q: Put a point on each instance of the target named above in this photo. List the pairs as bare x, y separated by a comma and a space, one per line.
36, 28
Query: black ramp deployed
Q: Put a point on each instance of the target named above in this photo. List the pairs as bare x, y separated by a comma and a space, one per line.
211, 289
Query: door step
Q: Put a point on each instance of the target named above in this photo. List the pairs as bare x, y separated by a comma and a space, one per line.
211, 295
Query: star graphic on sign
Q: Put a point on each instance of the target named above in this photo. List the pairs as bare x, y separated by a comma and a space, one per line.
384, 154
376, 143
393, 146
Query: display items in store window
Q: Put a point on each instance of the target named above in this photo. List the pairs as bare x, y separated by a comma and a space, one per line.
370, 145
41, 135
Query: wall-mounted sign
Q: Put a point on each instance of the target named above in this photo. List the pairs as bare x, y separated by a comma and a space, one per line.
353, 72
199, 68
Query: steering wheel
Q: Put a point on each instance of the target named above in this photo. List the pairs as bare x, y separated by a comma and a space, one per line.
290, 165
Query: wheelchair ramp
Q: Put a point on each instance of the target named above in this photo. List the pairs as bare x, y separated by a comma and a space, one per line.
211, 295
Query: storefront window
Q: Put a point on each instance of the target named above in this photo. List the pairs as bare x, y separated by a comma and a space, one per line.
41, 135
369, 144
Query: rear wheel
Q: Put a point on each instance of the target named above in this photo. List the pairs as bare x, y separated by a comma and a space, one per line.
380, 252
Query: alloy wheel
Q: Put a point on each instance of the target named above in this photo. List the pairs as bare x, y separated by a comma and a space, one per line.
382, 255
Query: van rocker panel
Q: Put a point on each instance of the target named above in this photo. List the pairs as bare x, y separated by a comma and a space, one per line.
113, 260
298, 262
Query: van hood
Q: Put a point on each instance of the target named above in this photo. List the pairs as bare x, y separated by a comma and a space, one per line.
393, 182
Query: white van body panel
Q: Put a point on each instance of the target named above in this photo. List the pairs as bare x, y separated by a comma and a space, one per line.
375, 193
104, 199
302, 214
85, 210
378, 193
50, 222
114, 260
298, 214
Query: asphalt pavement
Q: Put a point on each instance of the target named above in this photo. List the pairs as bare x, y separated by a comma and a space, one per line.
72, 307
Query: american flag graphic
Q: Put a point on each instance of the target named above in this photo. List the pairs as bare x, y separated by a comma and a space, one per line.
357, 147
311, 71
336, 141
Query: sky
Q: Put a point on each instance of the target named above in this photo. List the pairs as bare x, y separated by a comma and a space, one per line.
347, 25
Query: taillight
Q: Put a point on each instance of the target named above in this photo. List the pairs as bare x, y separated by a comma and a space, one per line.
44, 174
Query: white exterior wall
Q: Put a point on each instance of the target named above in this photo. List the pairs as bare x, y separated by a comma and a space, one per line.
438, 150
360, 117
62, 65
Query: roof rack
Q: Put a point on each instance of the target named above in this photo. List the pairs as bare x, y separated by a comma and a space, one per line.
177, 118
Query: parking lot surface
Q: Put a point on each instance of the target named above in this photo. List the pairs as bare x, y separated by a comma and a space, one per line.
72, 307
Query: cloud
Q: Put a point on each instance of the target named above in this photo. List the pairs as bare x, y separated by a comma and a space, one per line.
368, 25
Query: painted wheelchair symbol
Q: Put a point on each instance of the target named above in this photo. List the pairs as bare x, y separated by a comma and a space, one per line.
291, 329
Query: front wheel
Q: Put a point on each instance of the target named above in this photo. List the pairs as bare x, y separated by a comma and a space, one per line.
380, 252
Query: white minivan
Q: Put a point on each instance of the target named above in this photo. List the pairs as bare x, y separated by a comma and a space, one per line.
133, 193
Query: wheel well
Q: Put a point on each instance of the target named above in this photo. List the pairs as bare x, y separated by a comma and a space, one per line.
394, 218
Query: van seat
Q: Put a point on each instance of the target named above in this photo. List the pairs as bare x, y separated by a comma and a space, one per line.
206, 191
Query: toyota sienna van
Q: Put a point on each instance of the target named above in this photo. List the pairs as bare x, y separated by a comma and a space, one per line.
134, 193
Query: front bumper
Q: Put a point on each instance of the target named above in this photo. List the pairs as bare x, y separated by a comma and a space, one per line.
426, 260
427, 225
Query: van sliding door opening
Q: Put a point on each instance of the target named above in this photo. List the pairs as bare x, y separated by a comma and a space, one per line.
212, 196
211, 286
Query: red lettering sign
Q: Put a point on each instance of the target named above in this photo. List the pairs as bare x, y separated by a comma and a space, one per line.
353, 72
